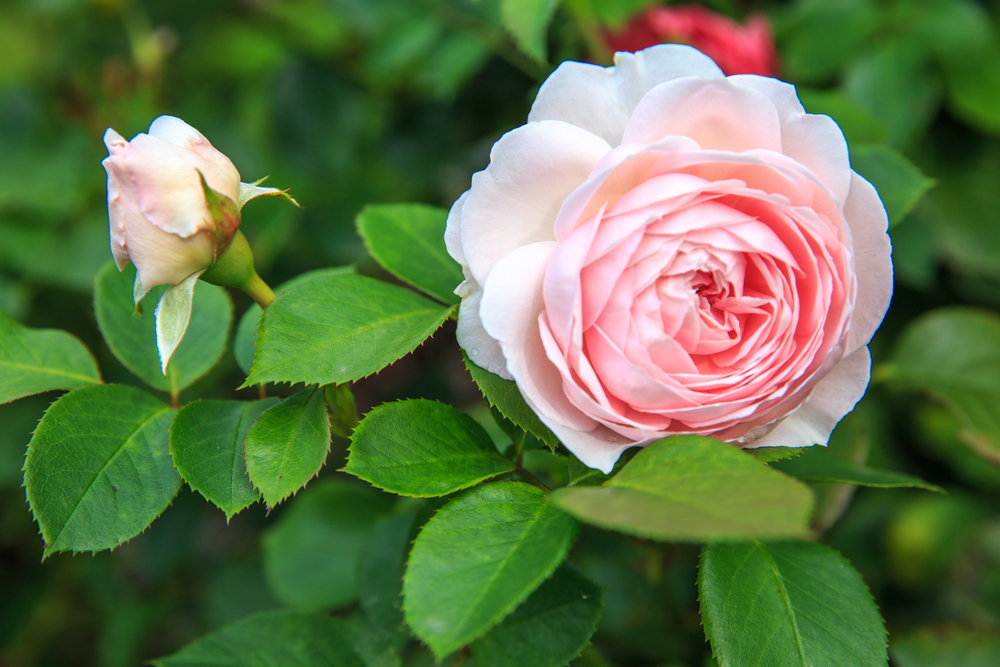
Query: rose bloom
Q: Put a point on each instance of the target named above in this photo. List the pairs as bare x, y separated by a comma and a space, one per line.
664, 250
160, 219
735, 49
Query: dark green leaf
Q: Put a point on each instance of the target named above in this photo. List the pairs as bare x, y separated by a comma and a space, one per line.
37, 360
549, 629
343, 409
132, 336
285, 639
528, 21
819, 465
287, 445
689, 488
825, 34
422, 448
787, 603
973, 79
245, 339
206, 443
339, 328
897, 86
947, 647
408, 241
98, 470
478, 558
505, 397
954, 355
311, 555
857, 123
899, 183
380, 573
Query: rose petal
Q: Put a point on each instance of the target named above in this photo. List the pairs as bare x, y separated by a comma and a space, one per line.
601, 99
162, 258
872, 261
514, 201
177, 132
483, 349
714, 113
832, 398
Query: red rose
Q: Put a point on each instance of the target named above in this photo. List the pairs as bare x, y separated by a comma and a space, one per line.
736, 49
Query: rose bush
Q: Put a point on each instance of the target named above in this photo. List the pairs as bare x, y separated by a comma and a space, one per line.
664, 250
735, 48
160, 219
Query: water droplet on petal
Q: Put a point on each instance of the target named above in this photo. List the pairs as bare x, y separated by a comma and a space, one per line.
474, 351
611, 438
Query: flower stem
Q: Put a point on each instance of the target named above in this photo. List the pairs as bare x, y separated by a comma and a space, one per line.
259, 291
531, 478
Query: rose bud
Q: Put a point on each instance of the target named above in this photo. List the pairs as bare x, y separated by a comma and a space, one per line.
735, 49
665, 250
159, 212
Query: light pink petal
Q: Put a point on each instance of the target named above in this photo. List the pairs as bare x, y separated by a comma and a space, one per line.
177, 132
599, 449
453, 230
832, 398
872, 261
483, 349
514, 201
119, 201
165, 180
601, 99
162, 258
715, 113
512, 302
814, 140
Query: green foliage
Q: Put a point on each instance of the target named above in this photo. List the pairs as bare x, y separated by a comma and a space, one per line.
206, 444
287, 445
408, 241
549, 629
343, 409
819, 465
506, 397
954, 355
787, 603
808, 53
528, 22
311, 556
768, 454
286, 638
423, 448
98, 471
131, 336
245, 340
380, 572
900, 184
689, 488
37, 360
478, 558
338, 328
951, 646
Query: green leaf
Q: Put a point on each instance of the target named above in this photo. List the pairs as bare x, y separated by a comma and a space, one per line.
973, 79
380, 573
286, 638
787, 603
37, 360
206, 443
339, 328
480, 557
549, 629
897, 85
422, 448
311, 556
343, 409
506, 397
819, 465
768, 454
823, 35
98, 471
953, 354
947, 647
245, 339
287, 445
131, 336
898, 181
690, 488
528, 22
857, 123
408, 241
173, 315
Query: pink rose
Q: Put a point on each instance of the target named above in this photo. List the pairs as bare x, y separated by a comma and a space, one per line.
736, 49
160, 219
664, 250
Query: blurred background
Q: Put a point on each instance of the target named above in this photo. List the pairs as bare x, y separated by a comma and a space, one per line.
351, 102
